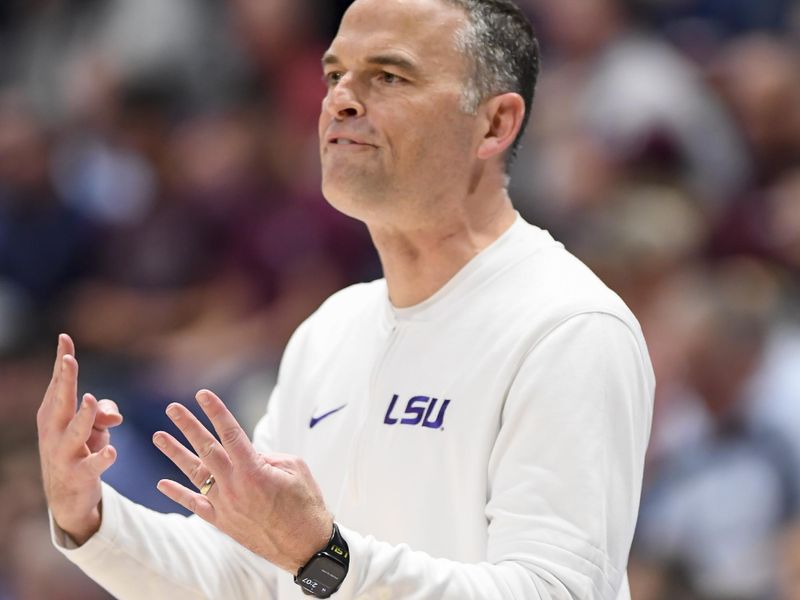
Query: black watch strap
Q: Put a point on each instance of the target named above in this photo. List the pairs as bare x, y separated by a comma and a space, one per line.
323, 575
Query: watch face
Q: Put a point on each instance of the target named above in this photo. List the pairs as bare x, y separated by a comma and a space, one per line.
322, 576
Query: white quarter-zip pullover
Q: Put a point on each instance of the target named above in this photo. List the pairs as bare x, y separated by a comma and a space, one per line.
486, 444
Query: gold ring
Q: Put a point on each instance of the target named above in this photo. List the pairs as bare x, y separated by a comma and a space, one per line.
207, 485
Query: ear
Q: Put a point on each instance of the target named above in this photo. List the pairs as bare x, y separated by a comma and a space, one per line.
503, 116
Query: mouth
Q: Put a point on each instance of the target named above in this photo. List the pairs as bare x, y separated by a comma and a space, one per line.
348, 141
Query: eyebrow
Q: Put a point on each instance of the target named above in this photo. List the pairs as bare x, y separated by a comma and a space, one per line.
386, 60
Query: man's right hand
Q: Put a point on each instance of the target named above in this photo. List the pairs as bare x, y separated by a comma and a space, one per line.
74, 447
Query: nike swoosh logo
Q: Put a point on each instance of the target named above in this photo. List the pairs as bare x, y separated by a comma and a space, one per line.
315, 420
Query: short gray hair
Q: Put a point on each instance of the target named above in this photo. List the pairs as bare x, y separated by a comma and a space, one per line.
502, 47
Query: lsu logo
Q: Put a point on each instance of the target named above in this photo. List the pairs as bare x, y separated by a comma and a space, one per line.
419, 410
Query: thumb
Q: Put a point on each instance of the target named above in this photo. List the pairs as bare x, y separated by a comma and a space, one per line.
98, 462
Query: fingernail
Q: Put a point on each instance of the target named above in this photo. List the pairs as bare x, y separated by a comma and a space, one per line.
173, 413
203, 398
159, 440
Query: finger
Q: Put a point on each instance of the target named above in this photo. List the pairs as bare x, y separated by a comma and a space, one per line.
186, 461
196, 503
80, 426
108, 414
98, 439
208, 449
66, 392
56, 365
104, 417
98, 462
231, 434
69, 345
63, 347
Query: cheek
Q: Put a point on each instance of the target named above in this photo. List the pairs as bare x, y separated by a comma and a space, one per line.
325, 117
438, 139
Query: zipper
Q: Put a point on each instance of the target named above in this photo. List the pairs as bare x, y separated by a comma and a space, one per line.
373, 402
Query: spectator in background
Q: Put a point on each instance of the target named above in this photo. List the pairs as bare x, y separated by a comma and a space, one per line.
720, 18
56, 41
43, 243
711, 521
759, 77
585, 139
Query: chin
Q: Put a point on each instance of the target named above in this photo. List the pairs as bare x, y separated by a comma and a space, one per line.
352, 198
343, 199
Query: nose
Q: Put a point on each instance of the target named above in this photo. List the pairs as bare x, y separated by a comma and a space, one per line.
343, 102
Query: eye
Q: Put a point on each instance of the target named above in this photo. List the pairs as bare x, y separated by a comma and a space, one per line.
391, 78
332, 78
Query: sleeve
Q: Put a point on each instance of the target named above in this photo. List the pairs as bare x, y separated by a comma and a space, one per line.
565, 478
139, 553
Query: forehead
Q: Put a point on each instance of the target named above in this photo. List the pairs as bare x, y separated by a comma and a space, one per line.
424, 30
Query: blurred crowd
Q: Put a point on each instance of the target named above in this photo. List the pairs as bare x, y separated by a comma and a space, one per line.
159, 201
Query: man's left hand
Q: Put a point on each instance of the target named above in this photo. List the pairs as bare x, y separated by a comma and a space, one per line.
268, 503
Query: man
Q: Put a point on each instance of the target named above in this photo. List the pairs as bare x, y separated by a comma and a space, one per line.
474, 424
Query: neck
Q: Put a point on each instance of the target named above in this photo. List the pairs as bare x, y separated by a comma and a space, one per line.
417, 262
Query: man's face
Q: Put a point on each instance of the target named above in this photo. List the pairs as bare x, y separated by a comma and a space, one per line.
393, 140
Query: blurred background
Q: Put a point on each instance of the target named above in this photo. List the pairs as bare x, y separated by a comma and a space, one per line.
159, 201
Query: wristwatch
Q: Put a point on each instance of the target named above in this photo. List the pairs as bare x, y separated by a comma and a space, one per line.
322, 576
